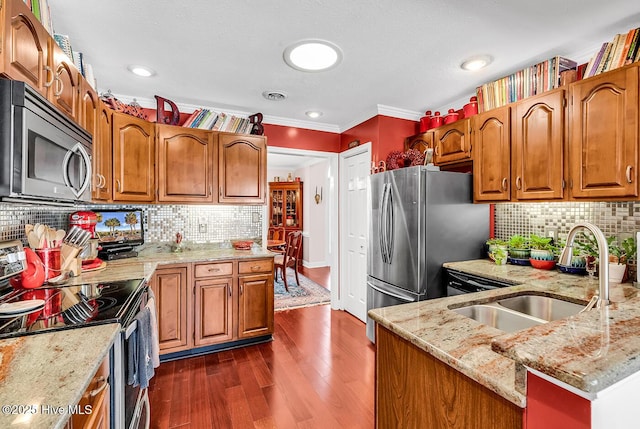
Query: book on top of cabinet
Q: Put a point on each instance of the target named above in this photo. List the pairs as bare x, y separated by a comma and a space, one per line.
622, 50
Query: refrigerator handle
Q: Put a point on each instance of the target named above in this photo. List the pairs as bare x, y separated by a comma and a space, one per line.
389, 224
382, 225
386, 292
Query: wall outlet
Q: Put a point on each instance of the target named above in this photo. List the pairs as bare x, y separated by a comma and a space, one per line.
255, 217
551, 232
202, 228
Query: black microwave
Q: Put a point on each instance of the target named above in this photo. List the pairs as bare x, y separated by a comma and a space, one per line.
46, 157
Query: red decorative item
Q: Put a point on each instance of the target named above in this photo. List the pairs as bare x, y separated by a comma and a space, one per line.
452, 116
162, 116
256, 120
471, 108
413, 157
395, 160
425, 122
33, 276
542, 265
242, 245
436, 120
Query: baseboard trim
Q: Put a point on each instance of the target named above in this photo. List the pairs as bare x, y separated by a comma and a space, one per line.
308, 264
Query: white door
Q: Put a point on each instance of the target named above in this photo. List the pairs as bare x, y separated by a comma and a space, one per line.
355, 166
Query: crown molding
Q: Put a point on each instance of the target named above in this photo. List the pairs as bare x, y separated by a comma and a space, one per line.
396, 112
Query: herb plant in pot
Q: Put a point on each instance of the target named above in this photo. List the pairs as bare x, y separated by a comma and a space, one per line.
519, 247
498, 250
541, 252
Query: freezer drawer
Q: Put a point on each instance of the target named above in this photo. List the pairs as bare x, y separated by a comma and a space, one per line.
384, 295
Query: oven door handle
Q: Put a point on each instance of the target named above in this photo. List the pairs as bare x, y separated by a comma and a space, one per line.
79, 149
130, 329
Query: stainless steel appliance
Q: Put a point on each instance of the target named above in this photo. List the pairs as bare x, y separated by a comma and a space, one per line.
45, 155
459, 283
419, 218
66, 307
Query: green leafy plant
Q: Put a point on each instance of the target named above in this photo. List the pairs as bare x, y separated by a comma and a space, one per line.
540, 243
497, 242
629, 249
518, 242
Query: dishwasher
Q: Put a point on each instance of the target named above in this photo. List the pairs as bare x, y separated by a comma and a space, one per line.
459, 283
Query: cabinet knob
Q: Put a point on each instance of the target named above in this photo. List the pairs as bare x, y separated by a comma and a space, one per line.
255, 268
104, 384
214, 270
518, 183
118, 185
229, 288
59, 86
629, 178
48, 71
436, 152
504, 184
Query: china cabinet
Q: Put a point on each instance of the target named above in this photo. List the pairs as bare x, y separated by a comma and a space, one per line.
285, 205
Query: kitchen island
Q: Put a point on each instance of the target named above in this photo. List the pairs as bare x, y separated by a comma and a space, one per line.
497, 361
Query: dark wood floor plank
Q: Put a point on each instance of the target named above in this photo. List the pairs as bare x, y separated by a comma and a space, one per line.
318, 372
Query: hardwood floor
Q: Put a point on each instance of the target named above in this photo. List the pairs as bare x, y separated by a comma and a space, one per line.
318, 372
320, 275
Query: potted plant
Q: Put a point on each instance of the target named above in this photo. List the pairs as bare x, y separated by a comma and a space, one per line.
519, 247
630, 249
498, 250
541, 248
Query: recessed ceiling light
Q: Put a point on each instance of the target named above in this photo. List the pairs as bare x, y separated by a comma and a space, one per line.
274, 95
312, 55
141, 71
476, 63
313, 114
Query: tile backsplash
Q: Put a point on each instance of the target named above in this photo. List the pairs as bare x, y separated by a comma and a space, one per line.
199, 224
620, 219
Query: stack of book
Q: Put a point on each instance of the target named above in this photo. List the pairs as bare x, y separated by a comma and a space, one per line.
209, 120
524, 83
41, 10
77, 57
622, 50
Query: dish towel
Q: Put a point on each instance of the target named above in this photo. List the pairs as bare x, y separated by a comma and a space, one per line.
155, 343
140, 362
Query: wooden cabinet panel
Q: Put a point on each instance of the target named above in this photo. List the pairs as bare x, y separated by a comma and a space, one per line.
603, 148
185, 164
452, 142
170, 287
97, 396
213, 311
133, 159
257, 266
415, 390
102, 156
538, 147
63, 92
25, 47
419, 142
88, 108
211, 269
492, 155
242, 169
255, 305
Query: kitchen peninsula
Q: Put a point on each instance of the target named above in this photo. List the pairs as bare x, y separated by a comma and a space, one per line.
479, 374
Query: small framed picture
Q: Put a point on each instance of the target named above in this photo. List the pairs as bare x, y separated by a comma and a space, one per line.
354, 143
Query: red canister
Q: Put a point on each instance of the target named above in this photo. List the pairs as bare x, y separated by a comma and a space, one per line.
436, 120
452, 116
425, 121
471, 108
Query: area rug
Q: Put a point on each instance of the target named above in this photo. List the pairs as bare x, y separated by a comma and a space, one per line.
306, 294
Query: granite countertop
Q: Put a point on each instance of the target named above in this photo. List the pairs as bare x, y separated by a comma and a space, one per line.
583, 351
39, 373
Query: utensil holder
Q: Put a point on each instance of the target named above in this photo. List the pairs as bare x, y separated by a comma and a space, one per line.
69, 259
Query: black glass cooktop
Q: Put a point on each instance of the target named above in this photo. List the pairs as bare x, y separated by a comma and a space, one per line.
63, 307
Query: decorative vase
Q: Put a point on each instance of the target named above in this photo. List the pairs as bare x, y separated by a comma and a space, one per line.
578, 262
519, 253
542, 255
616, 272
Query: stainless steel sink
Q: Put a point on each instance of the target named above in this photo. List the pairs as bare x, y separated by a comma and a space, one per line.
519, 312
541, 307
500, 318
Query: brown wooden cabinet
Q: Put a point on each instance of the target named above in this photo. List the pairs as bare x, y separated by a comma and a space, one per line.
102, 183
170, 285
133, 142
214, 293
242, 169
285, 205
187, 161
88, 107
255, 298
492, 155
452, 143
64, 90
97, 398
416, 390
538, 147
603, 145
419, 142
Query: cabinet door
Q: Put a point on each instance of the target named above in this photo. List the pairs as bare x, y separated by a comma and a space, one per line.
88, 107
538, 147
63, 93
492, 155
603, 145
255, 305
185, 164
170, 287
133, 159
98, 397
25, 47
452, 142
213, 311
419, 142
242, 169
102, 155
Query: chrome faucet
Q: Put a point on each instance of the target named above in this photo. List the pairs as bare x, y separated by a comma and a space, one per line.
603, 258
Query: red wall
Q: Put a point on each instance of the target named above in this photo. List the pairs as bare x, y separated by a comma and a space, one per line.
301, 138
385, 133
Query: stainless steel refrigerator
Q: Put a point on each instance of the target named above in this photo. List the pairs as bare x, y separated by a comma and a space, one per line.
419, 218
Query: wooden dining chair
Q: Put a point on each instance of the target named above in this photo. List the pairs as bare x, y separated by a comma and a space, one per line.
275, 234
289, 258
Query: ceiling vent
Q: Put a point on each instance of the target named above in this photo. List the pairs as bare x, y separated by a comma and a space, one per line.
274, 95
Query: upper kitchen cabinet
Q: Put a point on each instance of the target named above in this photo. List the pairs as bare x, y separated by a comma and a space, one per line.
25, 47
242, 169
63, 92
102, 155
603, 133
452, 143
419, 142
186, 160
133, 158
538, 147
492, 155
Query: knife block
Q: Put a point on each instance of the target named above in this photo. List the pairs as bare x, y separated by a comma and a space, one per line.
69, 259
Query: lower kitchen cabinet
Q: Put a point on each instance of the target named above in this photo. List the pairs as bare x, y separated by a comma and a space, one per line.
415, 390
94, 406
231, 300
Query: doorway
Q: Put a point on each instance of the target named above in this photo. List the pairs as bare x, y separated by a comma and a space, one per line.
319, 172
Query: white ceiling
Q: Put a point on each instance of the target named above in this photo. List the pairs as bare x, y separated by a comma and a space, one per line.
401, 57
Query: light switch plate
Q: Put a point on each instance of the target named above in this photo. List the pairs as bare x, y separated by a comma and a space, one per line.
551, 232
